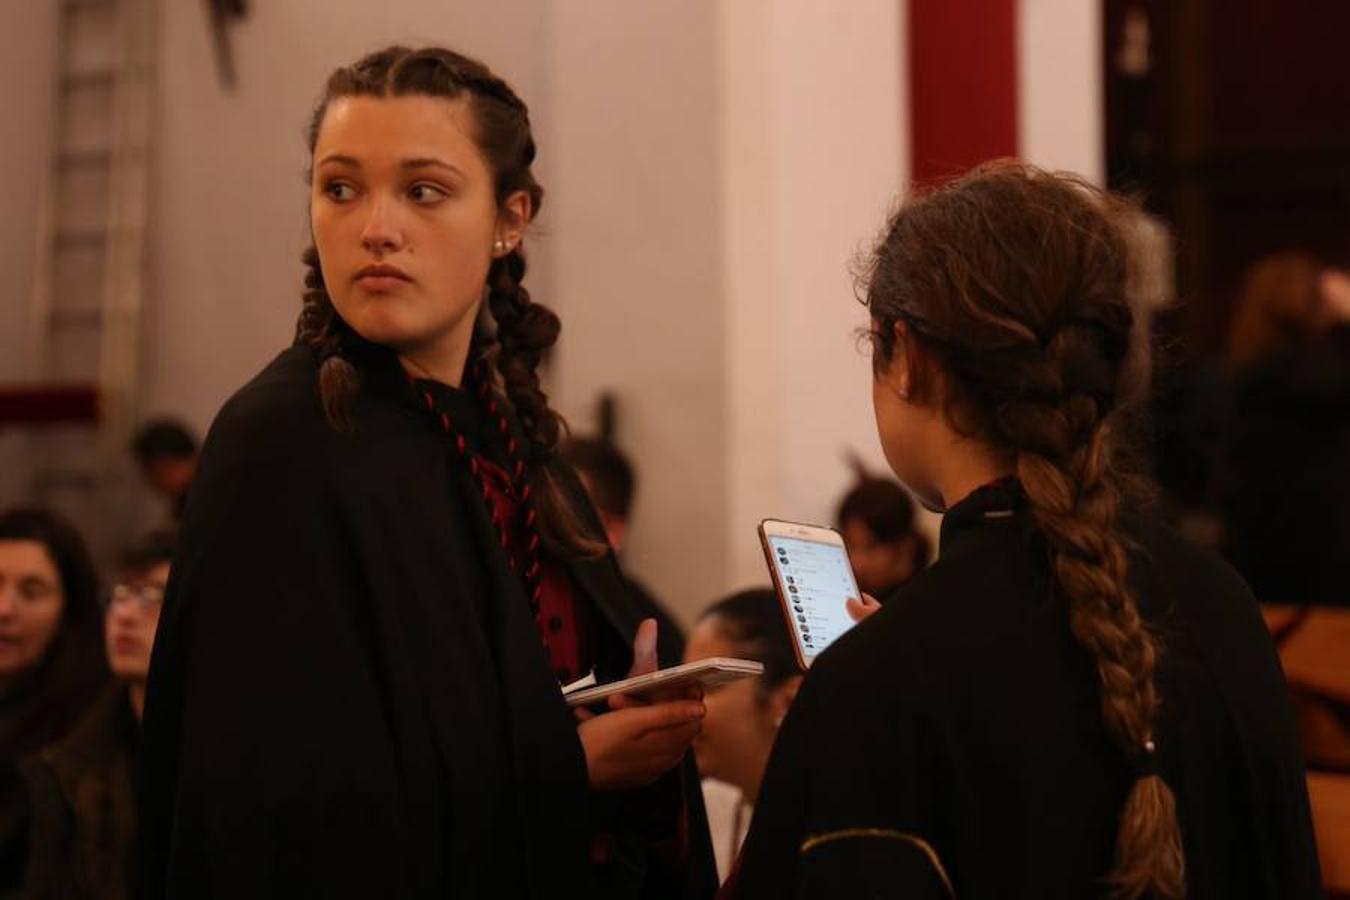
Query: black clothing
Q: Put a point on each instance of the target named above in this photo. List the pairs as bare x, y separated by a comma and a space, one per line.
1286, 475
964, 722
41, 707
348, 696
82, 837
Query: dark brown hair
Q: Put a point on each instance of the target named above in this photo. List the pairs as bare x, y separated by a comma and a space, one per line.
884, 508
524, 329
1013, 283
753, 621
1278, 306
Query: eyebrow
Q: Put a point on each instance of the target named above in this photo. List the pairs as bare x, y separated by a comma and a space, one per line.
419, 162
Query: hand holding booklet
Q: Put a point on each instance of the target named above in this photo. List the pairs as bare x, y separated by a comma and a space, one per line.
709, 673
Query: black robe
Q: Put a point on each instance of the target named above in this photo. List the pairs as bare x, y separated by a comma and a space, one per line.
955, 738
348, 696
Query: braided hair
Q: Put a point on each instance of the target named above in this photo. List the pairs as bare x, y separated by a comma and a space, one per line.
1015, 281
524, 329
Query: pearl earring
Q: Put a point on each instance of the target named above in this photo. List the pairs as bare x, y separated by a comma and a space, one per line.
499, 246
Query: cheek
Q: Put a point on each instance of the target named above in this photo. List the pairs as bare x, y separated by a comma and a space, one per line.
43, 624
890, 417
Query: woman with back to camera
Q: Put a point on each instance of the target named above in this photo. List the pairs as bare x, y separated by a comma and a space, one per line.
384, 572
1071, 702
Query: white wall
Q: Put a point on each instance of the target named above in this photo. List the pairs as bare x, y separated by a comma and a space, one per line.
813, 158
1060, 104
631, 98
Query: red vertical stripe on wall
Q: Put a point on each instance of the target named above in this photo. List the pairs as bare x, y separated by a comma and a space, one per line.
963, 84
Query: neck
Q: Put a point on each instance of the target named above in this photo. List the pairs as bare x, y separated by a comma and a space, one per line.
136, 693
967, 466
754, 778
442, 359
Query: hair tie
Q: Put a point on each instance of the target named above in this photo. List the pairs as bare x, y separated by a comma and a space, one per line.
1143, 761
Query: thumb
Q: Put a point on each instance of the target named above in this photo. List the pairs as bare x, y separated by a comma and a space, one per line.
644, 648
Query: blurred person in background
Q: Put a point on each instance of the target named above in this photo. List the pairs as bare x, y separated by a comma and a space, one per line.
81, 793
743, 716
51, 664
383, 529
1072, 701
166, 452
1285, 467
885, 547
610, 481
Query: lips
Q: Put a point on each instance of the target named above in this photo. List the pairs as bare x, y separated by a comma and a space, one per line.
382, 273
125, 646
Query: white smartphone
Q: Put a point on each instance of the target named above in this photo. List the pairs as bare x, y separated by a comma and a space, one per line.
814, 581
708, 672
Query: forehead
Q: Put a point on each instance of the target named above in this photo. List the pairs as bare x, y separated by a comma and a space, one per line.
379, 131
155, 573
26, 558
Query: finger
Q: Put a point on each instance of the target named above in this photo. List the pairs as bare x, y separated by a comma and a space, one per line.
869, 600
659, 716
644, 648
627, 701
856, 610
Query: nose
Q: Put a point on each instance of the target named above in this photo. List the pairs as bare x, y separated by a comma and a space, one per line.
382, 233
9, 603
122, 611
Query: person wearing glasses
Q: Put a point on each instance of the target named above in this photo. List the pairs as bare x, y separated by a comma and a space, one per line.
80, 789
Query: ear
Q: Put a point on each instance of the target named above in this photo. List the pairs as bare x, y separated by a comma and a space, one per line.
915, 373
903, 368
512, 219
780, 701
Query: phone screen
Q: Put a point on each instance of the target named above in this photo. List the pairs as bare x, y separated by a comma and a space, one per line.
816, 580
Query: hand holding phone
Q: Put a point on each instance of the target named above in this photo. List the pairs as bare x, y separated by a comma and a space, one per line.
636, 743
814, 582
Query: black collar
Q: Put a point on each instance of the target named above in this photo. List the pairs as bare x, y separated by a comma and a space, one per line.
997, 502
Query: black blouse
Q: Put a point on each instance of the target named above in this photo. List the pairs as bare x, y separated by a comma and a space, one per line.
953, 743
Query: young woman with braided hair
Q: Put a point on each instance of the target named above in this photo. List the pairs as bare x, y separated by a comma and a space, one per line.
385, 572
1072, 702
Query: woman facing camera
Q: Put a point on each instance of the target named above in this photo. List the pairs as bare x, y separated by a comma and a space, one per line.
743, 716
385, 573
1071, 702
51, 663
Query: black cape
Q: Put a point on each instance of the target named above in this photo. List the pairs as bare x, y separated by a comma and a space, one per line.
348, 696
955, 737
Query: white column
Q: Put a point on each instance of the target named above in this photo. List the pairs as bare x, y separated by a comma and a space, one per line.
1059, 69
812, 155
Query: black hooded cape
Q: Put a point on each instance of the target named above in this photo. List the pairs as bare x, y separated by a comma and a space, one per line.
348, 696
952, 744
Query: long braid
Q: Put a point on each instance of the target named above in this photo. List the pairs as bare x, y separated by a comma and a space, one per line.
321, 328
525, 330
1064, 461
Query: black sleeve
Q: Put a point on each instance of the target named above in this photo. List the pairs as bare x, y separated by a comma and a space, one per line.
847, 804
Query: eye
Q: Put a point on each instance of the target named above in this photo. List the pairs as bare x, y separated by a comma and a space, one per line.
339, 191
35, 589
427, 194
